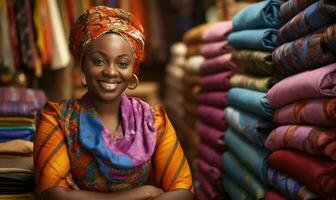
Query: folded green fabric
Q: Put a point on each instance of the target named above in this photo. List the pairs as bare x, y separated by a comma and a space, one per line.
234, 190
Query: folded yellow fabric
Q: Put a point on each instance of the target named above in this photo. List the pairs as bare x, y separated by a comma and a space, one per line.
16, 147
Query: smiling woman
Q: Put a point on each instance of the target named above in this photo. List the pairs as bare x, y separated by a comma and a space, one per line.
107, 145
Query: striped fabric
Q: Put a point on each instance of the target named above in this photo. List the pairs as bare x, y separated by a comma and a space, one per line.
292, 7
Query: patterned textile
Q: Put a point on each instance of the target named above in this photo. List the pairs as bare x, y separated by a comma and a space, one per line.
252, 101
215, 49
314, 140
213, 174
309, 84
274, 195
257, 39
210, 155
208, 188
257, 63
319, 112
217, 64
101, 19
193, 64
252, 127
60, 150
252, 156
215, 99
316, 173
264, 14
218, 32
20, 101
212, 116
288, 186
194, 35
314, 17
303, 54
216, 82
211, 136
292, 7
329, 39
243, 177
234, 190
252, 82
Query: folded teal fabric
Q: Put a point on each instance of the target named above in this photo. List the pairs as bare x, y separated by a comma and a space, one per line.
240, 175
251, 126
252, 156
234, 190
258, 39
265, 14
252, 101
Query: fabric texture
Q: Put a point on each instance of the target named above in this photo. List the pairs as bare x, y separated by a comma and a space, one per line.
310, 84
212, 116
217, 32
214, 99
316, 173
292, 7
217, 64
210, 155
252, 101
209, 190
252, 82
328, 39
256, 39
213, 174
250, 126
274, 195
216, 82
234, 190
214, 49
264, 14
211, 136
16, 147
8, 135
57, 145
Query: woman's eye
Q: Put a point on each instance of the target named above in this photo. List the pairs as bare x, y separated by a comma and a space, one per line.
123, 64
98, 62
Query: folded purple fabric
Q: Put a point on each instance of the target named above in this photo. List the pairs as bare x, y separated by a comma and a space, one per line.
213, 174
208, 188
211, 136
313, 140
217, 64
309, 84
210, 155
214, 49
7, 135
319, 112
216, 82
212, 116
217, 32
215, 99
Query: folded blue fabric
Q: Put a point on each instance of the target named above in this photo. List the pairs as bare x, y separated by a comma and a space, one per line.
252, 101
252, 156
7, 135
243, 177
234, 190
265, 14
258, 39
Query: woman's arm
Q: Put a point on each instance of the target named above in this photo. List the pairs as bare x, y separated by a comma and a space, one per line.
176, 194
146, 192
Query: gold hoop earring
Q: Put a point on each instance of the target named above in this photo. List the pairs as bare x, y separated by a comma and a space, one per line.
83, 82
136, 83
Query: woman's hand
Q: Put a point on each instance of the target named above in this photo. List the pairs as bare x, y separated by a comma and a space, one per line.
151, 191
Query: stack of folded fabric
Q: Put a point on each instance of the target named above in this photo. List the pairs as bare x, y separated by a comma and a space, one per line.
249, 115
18, 108
302, 163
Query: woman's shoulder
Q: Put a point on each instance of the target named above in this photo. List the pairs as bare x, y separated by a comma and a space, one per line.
59, 108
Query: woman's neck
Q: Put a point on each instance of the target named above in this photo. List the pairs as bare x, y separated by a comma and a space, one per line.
106, 108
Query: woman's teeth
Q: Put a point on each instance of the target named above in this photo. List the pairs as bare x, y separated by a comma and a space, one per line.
108, 86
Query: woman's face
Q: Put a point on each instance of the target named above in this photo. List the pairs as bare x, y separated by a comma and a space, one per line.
108, 66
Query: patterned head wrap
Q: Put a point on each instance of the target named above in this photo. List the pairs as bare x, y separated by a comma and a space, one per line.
101, 19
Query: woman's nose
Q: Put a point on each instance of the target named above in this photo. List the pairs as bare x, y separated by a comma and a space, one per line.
110, 70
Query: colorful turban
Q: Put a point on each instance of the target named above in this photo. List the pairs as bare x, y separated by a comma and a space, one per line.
101, 19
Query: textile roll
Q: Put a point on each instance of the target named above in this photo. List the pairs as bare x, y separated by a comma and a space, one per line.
274, 195
234, 190
212, 116
329, 39
309, 84
216, 82
217, 64
218, 32
257, 63
194, 35
207, 187
288, 186
193, 64
252, 156
264, 14
215, 99
313, 140
316, 16
292, 7
258, 39
252, 82
316, 173
252, 127
213, 174
210, 155
251, 101
214, 49
319, 112
211, 136
243, 177
303, 54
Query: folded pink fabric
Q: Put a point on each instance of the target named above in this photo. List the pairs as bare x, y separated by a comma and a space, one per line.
216, 82
217, 64
309, 84
320, 112
211, 136
217, 32
214, 49
210, 155
212, 116
215, 99
200, 194
208, 188
213, 174
310, 139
